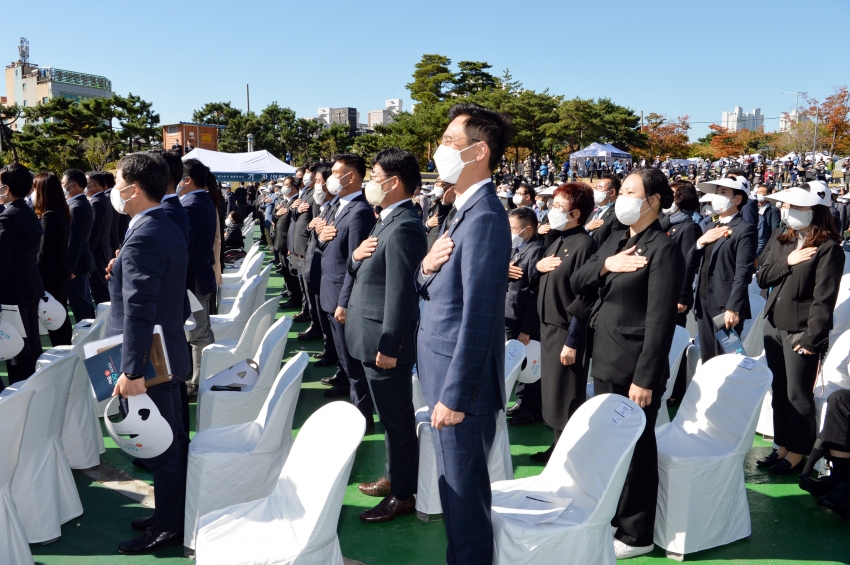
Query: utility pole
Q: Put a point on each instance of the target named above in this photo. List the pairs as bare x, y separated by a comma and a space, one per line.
248, 98
815, 141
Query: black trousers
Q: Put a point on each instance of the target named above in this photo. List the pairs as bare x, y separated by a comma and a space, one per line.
709, 347
169, 468
392, 391
22, 366
293, 285
99, 286
79, 299
360, 396
836, 426
308, 300
528, 395
794, 425
328, 344
635, 518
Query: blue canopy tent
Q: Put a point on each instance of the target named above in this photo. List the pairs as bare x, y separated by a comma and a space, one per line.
600, 150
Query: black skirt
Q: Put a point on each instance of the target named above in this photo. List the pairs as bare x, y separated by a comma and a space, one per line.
563, 388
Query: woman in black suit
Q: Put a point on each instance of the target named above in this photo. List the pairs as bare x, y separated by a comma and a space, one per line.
53, 262
803, 265
563, 314
638, 274
679, 222
20, 282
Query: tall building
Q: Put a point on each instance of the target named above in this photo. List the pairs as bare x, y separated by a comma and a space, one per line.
789, 119
738, 120
28, 85
385, 116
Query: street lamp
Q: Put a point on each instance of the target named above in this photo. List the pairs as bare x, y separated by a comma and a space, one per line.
250, 142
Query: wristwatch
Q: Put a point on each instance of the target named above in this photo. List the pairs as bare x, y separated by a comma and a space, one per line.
133, 377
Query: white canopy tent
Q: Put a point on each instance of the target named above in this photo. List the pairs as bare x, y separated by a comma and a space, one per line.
604, 150
248, 167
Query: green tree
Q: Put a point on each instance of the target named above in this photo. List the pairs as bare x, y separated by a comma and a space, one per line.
472, 77
432, 79
139, 123
333, 140
216, 114
276, 132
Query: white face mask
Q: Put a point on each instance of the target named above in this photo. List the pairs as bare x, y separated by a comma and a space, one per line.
517, 239
797, 219
517, 199
720, 203
558, 219
308, 179
541, 204
374, 192
599, 196
672, 209
760, 197
438, 192
450, 163
335, 186
318, 194
627, 209
116, 200
228, 222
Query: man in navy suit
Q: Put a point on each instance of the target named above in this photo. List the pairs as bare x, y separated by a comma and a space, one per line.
200, 277
153, 258
170, 202
100, 240
349, 222
79, 253
461, 338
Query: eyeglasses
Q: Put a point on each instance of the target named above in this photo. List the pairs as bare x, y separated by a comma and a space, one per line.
449, 140
561, 208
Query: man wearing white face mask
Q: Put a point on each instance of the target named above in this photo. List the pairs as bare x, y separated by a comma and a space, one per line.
442, 198
603, 221
768, 218
524, 197
725, 258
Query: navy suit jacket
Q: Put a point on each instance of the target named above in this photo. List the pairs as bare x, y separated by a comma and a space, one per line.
203, 223
177, 214
146, 289
20, 238
353, 224
79, 252
461, 339
100, 240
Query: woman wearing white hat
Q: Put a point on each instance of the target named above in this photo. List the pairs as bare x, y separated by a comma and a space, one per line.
803, 267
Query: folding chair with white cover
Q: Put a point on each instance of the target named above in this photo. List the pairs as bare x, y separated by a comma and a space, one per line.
499, 464
237, 271
234, 464
835, 377
231, 289
681, 339
43, 486
82, 437
754, 341
702, 501
83, 327
13, 540
226, 304
589, 466
418, 398
297, 523
225, 353
232, 324
841, 312
248, 235
757, 304
224, 407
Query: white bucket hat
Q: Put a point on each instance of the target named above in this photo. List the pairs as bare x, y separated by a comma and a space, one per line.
710, 187
796, 196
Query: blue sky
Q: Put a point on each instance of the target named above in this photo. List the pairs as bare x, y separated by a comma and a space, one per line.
674, 58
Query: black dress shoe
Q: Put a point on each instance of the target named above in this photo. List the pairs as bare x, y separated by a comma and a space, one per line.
784, 467
140, 463
149, 541
543, 456
525, 418
309, 334
338, 378
820, 486
338, 392
514, 410
301, 317
290, 303
324, 363
768, 461
142, 524
389, 509
838, 500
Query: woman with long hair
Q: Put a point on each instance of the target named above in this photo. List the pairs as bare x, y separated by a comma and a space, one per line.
638, 273
53, 263
803, 266
218, 252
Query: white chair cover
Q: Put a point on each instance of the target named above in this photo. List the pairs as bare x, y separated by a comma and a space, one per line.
83, 327
231, 289
43, 486
13, 540
756, 308
589, 465
499, 463
226, 304
418, 398
681, 339
226, 353
702, 502
232, 324
835, 377
296, 524
754, 342
248, 233
841, 313
691, 324
82, 437
238, 274
234, 464
225, 408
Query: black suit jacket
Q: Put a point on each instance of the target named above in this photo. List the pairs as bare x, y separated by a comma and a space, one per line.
383, 310
557, 302
100, 240
436, 208
79, 252
803, 296
313, 275
53, 263
20, 238
610, 224
521, 298
298, 236
281, 228
685, 235
635, 316
729, 269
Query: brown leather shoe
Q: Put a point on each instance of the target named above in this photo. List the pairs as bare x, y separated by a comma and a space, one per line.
381, 488
389, 509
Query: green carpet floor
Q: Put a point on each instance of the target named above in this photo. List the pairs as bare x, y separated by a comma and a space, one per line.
788, 525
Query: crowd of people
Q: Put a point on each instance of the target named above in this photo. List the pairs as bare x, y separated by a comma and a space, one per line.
393, 276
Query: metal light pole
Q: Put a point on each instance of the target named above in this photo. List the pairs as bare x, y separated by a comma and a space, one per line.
250, 142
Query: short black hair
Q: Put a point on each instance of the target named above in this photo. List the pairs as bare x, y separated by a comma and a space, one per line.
97, 177
527, 187
110, 179
311, 166
19, 180
615, 180
301, 170
147, 171
655, 182
323, 168
196, 171
402, 164
685, 195
485, 125
525, 216
173, 161
352, 161
76, 176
